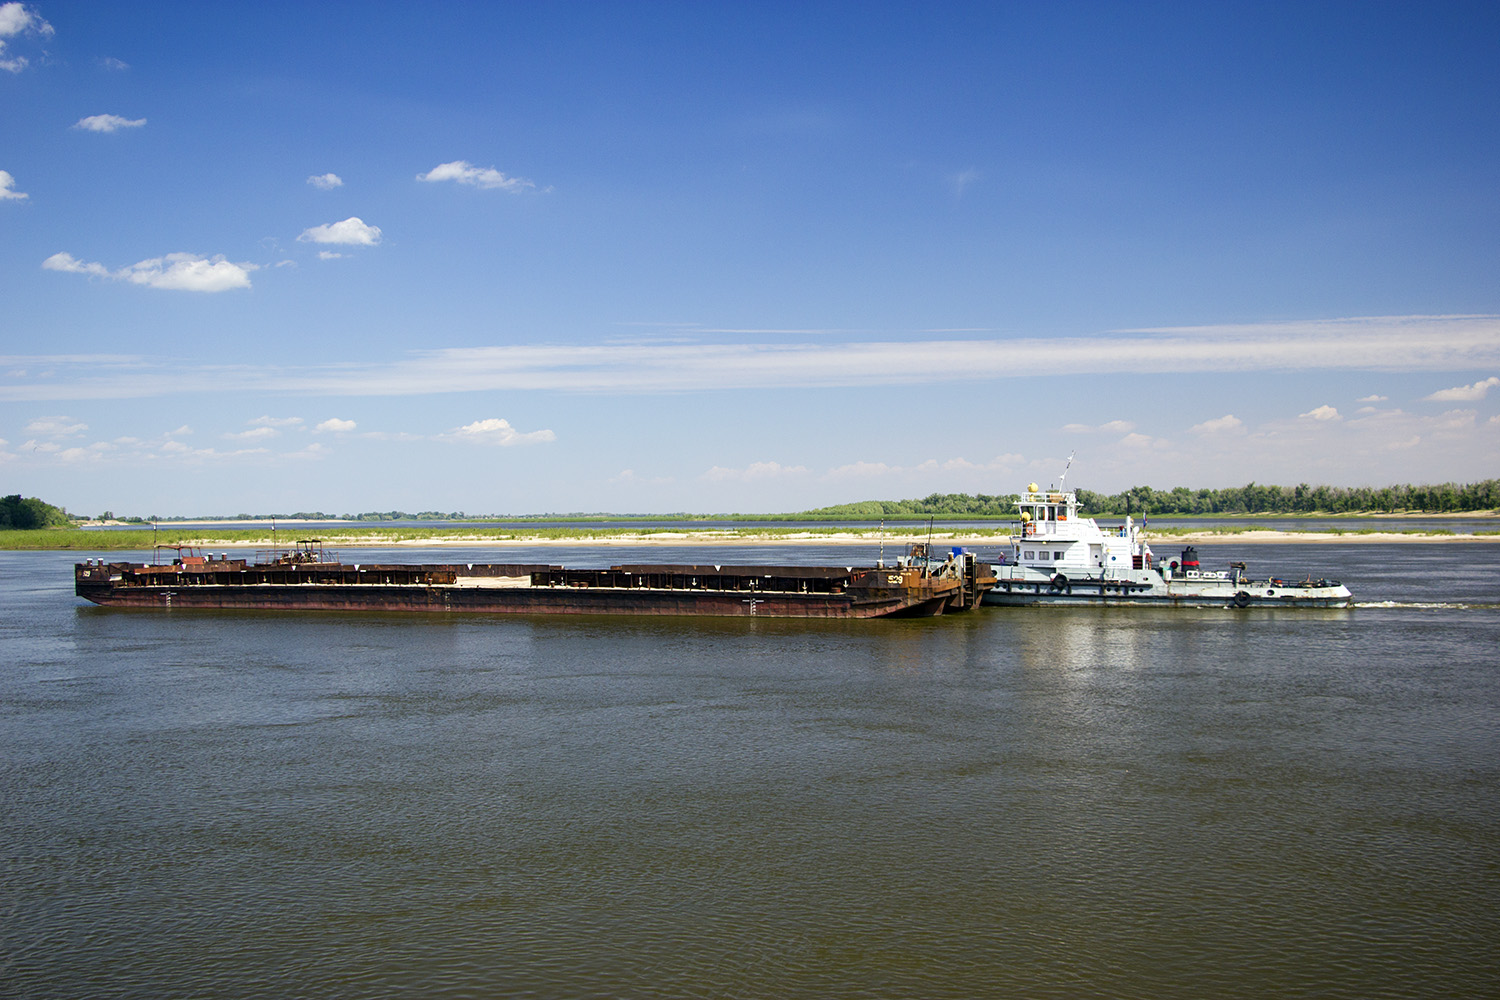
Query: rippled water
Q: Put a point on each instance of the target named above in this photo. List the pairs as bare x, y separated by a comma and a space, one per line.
1015, 802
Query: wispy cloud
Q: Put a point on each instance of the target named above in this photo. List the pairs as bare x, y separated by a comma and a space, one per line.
924, 471
19, 19
113, 64
1110, 427
1228, 423
1394, 343
629, 477
962, 180
1465, 393
353, 231
270, 421
326, 182
108, 123
54, 427
184, 272
1321, 413
464, 172
495, 431
754, 471
8, 190
333, 425
254, 434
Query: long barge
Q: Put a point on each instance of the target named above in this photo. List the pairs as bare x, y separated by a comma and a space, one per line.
308, 578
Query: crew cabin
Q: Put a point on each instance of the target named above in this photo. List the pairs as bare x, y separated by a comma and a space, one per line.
1055, 540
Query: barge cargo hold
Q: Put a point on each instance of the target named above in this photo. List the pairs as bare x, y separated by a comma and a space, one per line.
308, 579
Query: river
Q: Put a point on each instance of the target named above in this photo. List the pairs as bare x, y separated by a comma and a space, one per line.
1009, 803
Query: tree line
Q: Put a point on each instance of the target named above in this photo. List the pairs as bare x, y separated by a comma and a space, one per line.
1252, 498
1255, 498
30, 512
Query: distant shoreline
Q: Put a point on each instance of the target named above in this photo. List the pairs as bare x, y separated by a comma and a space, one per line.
895, 543
520, 523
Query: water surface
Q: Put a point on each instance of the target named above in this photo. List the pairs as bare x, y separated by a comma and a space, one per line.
1015, 802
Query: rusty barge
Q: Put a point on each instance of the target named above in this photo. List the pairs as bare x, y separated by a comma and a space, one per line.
308, 578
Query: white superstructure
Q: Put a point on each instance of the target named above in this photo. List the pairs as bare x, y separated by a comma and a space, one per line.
1061, 557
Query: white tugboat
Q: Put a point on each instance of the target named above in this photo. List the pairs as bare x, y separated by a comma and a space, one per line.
1059, 557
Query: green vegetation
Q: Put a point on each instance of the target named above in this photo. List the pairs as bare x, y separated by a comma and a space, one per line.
30, 513
1252, 498
1445, 498
937, 505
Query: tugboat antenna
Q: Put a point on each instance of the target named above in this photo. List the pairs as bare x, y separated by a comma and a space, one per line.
1063, 478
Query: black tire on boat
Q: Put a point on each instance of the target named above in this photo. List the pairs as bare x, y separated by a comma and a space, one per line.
1242, 600
1060, 585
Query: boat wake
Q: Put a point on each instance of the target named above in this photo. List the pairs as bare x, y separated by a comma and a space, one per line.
1426, 605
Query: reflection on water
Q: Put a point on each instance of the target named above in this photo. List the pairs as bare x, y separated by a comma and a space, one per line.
1028, 802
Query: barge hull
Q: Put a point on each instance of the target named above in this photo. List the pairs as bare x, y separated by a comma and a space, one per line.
721, 591
515, 601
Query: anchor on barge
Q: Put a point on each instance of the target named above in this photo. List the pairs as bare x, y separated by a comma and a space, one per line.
309, 578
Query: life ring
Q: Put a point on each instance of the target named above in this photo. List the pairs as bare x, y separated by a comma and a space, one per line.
1242, 600
1060, 585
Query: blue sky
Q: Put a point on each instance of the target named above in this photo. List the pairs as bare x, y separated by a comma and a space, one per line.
714, 257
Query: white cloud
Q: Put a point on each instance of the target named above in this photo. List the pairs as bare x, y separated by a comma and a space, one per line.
352, 231
1456, 420
1372, 399
463, 172
186, 272
1323, 413
313, 450
333, 425
1402, 343
254, 434
176, 272
754, 471
56, 427
67, 262
862, 470
330, 255
494, 431
326, 182
17, 19
1218, 425
963, 179
270, 421
1465, 393
1111, 427
92, 453
8, 190
111, 63
108, 123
